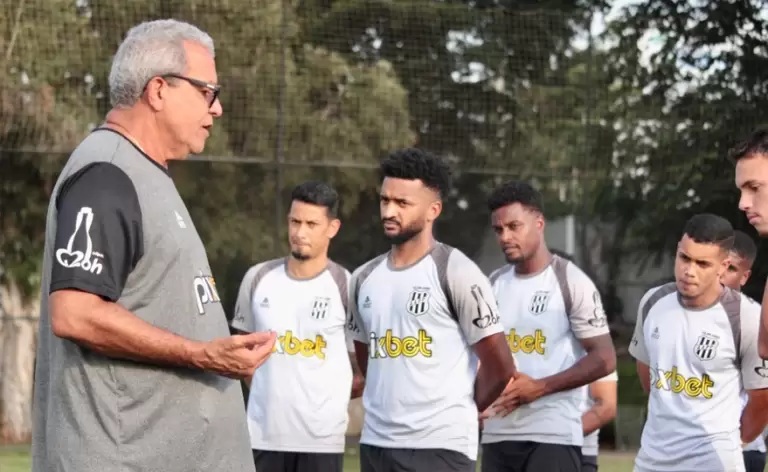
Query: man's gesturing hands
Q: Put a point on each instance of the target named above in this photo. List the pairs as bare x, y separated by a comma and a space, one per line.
237, 356
520, 390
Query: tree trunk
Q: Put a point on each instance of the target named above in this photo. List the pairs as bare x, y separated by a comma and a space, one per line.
18, 335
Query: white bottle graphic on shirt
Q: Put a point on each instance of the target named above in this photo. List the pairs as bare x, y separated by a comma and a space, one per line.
87, 260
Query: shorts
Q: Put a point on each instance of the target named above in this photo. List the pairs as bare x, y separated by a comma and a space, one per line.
754, 461
381, 459
589, 463
279, 461
529, 456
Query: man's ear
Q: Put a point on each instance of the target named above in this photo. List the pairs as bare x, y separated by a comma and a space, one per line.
333, 228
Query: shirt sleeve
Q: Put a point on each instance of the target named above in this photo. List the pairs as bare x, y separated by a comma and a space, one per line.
637, 347
243, 319
587, 316
99, 238
472, 298
612, 377
355, 328
754, 370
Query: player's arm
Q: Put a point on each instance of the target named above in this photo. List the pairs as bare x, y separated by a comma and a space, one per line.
478, 316
637, 348
603, 411
86, 286
754, 374
762, 340
356, 330
358, 379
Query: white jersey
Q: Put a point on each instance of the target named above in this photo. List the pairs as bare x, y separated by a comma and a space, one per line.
548, 313
699, 359
419, 324
591, 441
299, 397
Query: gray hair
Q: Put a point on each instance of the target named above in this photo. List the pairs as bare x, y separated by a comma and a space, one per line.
151, 49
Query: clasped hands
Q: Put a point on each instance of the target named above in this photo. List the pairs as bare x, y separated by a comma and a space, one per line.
521, 389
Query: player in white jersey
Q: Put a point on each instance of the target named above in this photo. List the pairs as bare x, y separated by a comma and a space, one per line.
599, 410
751, 158
297, 405
695, 342
421, 315
742, 256
559, 335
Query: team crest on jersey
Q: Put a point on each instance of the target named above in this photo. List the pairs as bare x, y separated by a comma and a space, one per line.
539, 302
706, 347
320, 308
762, 371
418, 301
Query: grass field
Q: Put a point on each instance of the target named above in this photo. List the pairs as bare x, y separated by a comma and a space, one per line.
16, 459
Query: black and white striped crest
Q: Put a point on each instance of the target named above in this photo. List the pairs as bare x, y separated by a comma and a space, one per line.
539, 302
418, 301
706, 347
320, 308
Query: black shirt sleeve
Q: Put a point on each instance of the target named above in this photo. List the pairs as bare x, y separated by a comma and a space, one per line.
99, 237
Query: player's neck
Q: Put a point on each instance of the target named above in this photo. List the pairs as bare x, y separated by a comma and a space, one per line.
538, 262
306, 269
136, 128
704, 300
411, 251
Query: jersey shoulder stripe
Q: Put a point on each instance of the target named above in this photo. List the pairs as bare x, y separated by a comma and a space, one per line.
362, 273
499, 272
441, 254
340, 276
653, 296
261, 270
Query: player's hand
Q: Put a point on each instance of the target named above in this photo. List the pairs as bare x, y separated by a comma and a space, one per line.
238, 356
484, 416
524, 389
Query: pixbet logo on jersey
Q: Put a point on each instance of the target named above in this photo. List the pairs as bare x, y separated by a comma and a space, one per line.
389, 345
292, 345
88, 260
527, 344
205, 292
672, 381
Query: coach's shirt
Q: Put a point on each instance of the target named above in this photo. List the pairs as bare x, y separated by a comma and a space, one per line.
298, 398
591, 441
117, 228
419, 323
547, 314
698, 360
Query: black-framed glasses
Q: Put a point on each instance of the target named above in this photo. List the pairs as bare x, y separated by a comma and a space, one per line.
211, 91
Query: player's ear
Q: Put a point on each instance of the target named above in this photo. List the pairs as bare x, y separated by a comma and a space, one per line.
745, 276
435, 208
333, 228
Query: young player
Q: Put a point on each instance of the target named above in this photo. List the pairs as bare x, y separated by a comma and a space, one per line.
297, 406
419, 314
695, 342
559, 336
742, 256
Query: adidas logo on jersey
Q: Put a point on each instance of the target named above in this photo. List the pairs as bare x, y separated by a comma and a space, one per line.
264, 303
390, 346
367, 302
673, 381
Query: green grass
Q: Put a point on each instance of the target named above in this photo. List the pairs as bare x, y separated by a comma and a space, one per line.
16, 459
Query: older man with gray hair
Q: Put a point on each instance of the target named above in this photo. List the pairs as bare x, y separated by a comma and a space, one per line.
135, 363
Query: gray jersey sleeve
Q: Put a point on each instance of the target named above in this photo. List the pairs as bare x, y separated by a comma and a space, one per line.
637, 347
754, 371
587, 316
471, 298
341, 277
243, 319
356, 330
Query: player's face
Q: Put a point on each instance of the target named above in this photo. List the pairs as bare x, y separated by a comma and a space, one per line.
519, 231
310, 230
699, 267
187, 113
752, 181
737, 273
407, 208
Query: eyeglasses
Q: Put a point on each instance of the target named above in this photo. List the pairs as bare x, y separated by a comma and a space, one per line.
210, 91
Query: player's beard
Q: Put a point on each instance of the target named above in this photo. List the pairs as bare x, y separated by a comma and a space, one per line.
299, 256
406, 234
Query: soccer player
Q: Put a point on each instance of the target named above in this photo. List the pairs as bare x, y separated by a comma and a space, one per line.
599, 410
297, 406
751, 158
742, 256
135, 366
695, 342
419, 314
559, 336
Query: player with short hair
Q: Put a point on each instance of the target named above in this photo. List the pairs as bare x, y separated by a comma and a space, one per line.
742, 257
559, 335
421, 314
695, 342
751, 159
297, 405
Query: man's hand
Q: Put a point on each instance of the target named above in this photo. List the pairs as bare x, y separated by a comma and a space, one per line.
521, 390
237, 356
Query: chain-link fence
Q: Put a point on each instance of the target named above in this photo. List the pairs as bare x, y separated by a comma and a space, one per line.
324, 89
